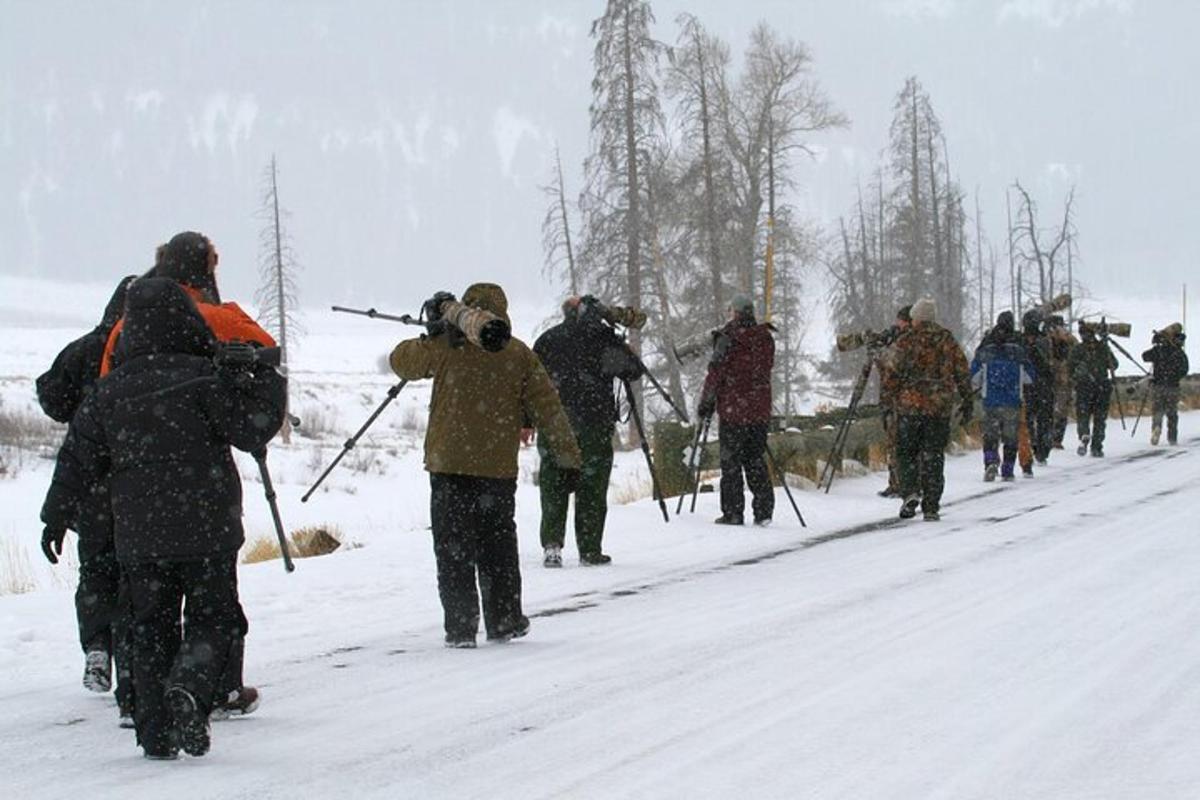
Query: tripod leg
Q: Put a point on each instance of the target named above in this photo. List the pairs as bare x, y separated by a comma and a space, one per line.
260, 456
637, 421
692, 459
696, 486
353, 440
786, 489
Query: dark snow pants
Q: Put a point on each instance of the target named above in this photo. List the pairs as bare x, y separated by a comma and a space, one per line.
1039, 417
192, 652
474, 532
1091, 412
102, 608
743, 449
591, 496
921, 452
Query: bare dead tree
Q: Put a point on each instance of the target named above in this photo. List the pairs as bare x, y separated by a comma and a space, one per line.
556, 231
1041, 248
277, 297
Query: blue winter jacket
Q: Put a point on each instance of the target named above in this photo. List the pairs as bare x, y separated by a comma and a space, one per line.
999, 370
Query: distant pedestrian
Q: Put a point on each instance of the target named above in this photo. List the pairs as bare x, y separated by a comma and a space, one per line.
1170, 367
1092, 364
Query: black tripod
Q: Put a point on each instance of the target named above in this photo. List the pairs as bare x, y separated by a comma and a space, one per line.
843, 431
637, 421
353, 440
260, 456
698, 442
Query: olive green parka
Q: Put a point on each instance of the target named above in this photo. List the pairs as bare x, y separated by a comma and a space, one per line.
481, 400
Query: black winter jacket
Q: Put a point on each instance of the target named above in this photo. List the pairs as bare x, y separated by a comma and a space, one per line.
160, 427
1170, 364
583, 356
62, 388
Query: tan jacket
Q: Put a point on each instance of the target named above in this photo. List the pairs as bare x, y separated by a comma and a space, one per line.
481, 400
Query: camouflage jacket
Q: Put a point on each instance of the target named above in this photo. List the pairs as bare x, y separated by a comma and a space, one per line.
1091, 363
929, 373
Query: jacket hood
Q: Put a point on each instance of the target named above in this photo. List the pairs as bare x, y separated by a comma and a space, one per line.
488, 297
185, 259
116, 305
161, 318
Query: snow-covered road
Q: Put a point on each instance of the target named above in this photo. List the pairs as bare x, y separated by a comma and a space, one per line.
1039, 642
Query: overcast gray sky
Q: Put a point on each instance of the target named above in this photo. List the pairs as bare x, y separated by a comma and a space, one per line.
412, 136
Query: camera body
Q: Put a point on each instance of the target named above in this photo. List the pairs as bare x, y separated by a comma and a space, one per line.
625, 316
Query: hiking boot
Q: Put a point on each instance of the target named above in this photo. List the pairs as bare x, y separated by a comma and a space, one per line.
890, 491
552, 557
1027, 472
932, 516
1155, 435
989, 473
126, 721
730, 519
160, 753
97, 671
463, 642
1097, 453
238, 703
909, 509
191, 725
506, 633
1009, 478
594, 559
762, 522
1083, 445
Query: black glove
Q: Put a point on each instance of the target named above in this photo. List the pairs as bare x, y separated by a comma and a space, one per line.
235, 363
433, 306
52, 540
707, 407
569, 479
965, 413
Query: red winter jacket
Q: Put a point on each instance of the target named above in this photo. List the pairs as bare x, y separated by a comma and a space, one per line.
740, 373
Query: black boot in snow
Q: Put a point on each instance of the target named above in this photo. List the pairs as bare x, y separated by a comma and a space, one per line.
909, 509
730, 519
191, 726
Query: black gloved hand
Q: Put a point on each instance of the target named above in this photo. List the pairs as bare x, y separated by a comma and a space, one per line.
433, 306
52, 541
965, 413
707, 407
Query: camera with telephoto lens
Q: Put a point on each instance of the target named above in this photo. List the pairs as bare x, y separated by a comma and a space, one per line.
1105, 328
849, 342
625, 316
444, 314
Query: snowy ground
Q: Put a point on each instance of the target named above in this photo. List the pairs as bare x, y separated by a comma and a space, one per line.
1039, 642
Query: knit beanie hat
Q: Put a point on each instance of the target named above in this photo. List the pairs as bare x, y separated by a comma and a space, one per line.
924, 310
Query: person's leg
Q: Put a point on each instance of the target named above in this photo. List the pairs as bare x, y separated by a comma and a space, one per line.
1009, 424
1084, 399
908, 453
1171, 407
213, 628
123, 648
1024, 443
758, 477
935, 437
498, 560
1100, 418
992, 424
591, 498
1045, 427
96, 604
733, 496
156, 596
1158, 408
452, 516
555, 497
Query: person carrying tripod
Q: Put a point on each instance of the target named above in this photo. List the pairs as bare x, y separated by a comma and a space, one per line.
738, 389
159, 428
1170, 364
481, 401
1092, 364
582, 355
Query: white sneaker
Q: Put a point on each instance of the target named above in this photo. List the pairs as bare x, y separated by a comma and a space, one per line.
553, 557
97, 671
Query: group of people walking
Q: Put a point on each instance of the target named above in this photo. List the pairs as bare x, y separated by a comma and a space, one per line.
172, 378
